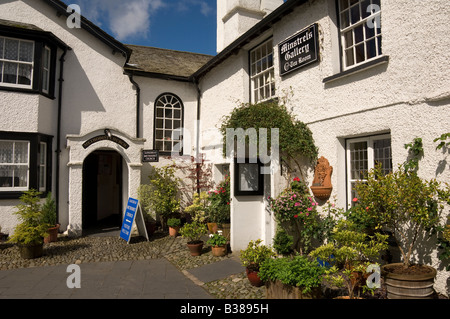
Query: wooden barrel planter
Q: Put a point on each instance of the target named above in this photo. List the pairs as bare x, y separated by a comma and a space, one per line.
409, 286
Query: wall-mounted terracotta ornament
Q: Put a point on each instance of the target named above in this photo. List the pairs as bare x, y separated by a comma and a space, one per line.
321, 186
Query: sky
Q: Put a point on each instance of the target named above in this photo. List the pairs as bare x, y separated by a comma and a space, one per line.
184, 25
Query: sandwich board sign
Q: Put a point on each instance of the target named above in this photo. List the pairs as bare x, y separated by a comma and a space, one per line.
133, 213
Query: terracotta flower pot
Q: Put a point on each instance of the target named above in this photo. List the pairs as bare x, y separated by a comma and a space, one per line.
321, 192
219, 251
52, 234
253, 277
195, 248
173, 231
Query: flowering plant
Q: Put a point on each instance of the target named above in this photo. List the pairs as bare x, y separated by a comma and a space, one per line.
296, 208
219, 199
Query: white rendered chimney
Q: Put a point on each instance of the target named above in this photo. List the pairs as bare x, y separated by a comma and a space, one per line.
235, 17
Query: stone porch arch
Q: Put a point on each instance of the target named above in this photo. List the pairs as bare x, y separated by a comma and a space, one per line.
79, 147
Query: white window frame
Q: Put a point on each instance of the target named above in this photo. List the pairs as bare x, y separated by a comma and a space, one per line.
27, 165
174, 136
42, 163
262, 72
46, 70
373, 19
370, 160
18, 62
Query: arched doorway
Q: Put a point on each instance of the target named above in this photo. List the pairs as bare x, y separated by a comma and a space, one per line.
102, 191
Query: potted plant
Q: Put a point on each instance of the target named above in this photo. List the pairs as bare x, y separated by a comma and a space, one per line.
292, 278
253, 257
31, 230
49, 211
174, 226
194, 232
219, 207
410, 208
218, 245
349, 253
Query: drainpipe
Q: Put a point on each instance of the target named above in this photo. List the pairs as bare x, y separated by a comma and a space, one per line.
138, 102
58, 134
197, 137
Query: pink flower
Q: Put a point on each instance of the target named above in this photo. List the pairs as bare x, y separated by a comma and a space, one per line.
309, 209
355, 200
307, 214
297, 204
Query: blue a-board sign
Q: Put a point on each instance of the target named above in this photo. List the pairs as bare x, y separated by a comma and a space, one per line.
128, 218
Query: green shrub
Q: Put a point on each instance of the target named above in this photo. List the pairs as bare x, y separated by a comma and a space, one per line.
298, 271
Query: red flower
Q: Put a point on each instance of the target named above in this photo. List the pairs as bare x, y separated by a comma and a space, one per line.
295, 216
296, 179
355, 200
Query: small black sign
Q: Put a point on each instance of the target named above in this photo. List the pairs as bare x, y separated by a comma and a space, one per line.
99, 138
150, 156
299, 50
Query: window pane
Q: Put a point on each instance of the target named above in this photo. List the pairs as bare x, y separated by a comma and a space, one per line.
159, 123
159, 112
349, 57
364, 6
21, 152
360, 57
159, 145
344, 19
25, 75
382, 154
348, 36
6, 176
343, 4
11, 49
159, 134
168, 124
379, 45
10, 72
359, 36
354, 12
26, 52
371, 49
177, 114
358, 160
370, 32
6, 152
2, 41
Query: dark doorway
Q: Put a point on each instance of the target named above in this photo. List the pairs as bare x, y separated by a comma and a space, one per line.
102, 191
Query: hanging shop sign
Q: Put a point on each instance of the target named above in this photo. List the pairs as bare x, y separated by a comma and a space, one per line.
133, 213
150, 156
107, 136
299, 50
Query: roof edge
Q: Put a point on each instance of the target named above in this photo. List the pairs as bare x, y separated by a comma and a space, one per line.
252, 33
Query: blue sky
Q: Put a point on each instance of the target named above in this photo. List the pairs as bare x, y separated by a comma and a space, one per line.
185, 25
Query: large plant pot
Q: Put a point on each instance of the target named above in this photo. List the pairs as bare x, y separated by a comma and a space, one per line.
31, 251
52, 235
409, 286
195, 248
219, 251
278, 290
253, 277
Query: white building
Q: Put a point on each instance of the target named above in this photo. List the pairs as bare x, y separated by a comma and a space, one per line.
377, 79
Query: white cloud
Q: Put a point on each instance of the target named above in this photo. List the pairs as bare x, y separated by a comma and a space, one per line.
124, 18
185, 5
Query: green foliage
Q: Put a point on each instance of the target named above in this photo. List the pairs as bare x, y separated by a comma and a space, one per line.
49, 210
193, 231
441, 139
217, 240
403, 202
444, 244
161, 195
297, 271
350, 252
415, 150
296, 208
32, 228
255, 254
199, 208
295, 138
219, 202
174, 222
283, 242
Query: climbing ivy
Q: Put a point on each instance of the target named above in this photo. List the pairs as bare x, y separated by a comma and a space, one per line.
295, 138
